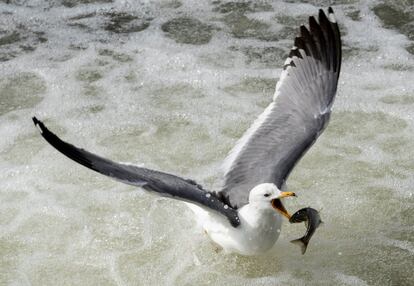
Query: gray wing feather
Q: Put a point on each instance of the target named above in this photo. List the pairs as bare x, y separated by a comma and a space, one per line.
293, 121
164, 184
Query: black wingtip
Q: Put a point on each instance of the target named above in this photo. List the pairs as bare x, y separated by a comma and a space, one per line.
35, 121
321, 12
330, 10
312, 21
39, 124
322, 15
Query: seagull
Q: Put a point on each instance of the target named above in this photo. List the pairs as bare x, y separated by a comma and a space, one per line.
245, 215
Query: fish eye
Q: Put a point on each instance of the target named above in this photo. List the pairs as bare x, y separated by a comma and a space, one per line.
266, 195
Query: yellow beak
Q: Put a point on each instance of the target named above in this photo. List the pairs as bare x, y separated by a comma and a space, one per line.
287, 194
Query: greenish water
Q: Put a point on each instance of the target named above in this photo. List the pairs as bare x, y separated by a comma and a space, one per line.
172, 85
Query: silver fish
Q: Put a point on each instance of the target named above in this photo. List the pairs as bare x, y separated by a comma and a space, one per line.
312, 221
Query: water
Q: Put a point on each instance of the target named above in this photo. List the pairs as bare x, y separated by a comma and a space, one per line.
171, 85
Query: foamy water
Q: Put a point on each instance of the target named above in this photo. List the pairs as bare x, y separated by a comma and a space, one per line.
172, 85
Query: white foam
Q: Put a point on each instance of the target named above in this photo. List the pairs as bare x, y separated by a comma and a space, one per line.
181, 108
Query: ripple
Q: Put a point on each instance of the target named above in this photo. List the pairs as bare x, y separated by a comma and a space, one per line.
19, 40
265, 86
398, 99
112, 21
260, 57
392, 16
21, 91
18, 153
241, 7
355, 15
365, 125
187, 30
74, 3
121, 22
243, 27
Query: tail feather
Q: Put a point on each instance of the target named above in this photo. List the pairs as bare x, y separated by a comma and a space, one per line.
302, 243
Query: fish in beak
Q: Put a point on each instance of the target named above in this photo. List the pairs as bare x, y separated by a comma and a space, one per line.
277, 203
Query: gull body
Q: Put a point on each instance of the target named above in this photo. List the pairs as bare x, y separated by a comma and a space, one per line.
260, 224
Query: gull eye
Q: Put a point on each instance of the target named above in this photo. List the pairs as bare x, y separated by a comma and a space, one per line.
266, 195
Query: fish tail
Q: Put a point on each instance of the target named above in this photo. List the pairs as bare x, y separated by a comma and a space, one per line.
302, 243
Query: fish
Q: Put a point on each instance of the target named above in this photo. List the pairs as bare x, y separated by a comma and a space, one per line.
312, 221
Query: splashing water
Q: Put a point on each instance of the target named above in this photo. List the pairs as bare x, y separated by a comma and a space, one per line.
172, 85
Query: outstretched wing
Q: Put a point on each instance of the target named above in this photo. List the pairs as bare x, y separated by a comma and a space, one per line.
164, 184
299, 113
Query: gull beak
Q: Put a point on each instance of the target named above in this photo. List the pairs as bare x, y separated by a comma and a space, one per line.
277, 203
287, 194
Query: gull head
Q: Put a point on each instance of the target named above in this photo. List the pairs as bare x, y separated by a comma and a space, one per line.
268, 195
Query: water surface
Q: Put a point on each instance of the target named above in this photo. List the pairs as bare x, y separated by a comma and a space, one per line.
172, 85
